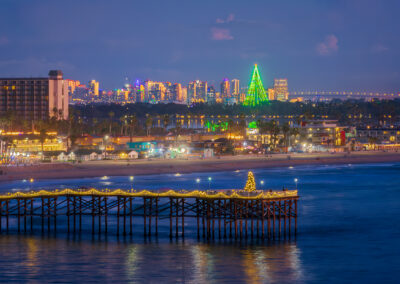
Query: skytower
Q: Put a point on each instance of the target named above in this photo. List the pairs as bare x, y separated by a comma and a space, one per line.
256, 93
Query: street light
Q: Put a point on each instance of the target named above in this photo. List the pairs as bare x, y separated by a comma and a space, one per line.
296, 181
209, 182
197, 181
105, 142
131, 178
262, 183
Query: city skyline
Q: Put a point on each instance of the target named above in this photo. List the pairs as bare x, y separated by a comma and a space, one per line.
352, 48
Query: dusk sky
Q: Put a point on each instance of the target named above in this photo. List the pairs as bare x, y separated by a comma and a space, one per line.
317, 45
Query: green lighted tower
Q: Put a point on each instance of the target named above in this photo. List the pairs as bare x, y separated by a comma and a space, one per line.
256, 93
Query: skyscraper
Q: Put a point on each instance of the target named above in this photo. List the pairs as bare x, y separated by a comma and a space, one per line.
94, 88
184, 95
201, 91
154, 91
211, 94
176, 90
281, 92
191, 92
225, 89
235, 88
197, 92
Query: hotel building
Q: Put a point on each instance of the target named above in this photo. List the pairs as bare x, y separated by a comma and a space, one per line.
35, 98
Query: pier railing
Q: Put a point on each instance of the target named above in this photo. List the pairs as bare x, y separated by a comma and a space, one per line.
212, 194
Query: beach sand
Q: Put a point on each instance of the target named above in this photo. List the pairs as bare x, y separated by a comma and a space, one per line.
158, 166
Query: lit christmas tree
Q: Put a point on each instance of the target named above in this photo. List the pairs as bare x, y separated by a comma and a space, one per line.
256, 93
250, 183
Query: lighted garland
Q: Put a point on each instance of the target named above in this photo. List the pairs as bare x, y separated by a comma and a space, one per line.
146, 193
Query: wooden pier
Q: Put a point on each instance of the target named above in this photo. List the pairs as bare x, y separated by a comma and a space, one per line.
233, 214
224, 214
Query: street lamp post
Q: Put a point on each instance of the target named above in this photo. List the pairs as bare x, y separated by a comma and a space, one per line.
131, 178
296, 181
198, 182
209, 183
262, 183
105, 142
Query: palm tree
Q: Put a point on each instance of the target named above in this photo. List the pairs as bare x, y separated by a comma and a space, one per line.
149, 123
285, 130
132, 125
111, 115
166, 120
294, 131
42, 139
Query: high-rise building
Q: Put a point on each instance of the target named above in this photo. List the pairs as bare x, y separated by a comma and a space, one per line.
197, 92
235, 88
271, 94
281, 89
211, 94
154, 91
72, 84
201, 91
184, 94
191, 92
35, 98
225, 89
176, 91
94, 88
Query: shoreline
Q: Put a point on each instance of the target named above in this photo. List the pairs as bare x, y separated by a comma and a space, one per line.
153, 167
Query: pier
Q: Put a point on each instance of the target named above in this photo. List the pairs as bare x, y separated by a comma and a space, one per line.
222, 214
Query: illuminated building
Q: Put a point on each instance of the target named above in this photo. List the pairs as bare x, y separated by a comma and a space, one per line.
235, 88
281, 89
271, 94
197, 92
94, 88
154, 91
211, 98
225, 89
242, 97
176, 91
256, 93
72, 84
34, 145
35, 98
379, 135
184, 94
323, 132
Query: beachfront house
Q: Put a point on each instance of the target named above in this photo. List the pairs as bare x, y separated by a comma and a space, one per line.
95, 156
133, 155
62, 157
71, 156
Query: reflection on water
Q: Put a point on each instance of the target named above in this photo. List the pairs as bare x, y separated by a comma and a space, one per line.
347, 234
82, 260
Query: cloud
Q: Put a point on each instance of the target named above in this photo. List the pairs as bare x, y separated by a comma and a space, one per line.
328, 46
3, 40
379, 48
221, 34
230, 18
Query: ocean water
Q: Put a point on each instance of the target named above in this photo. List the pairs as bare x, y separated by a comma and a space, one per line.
349, 232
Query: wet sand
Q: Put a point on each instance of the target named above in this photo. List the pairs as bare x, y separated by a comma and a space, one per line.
158, 166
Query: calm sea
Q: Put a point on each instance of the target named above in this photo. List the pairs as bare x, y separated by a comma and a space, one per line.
349, 232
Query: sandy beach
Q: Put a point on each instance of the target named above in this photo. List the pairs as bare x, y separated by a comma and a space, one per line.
157, 166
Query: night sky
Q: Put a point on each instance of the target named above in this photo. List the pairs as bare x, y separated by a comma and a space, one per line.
324, 45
